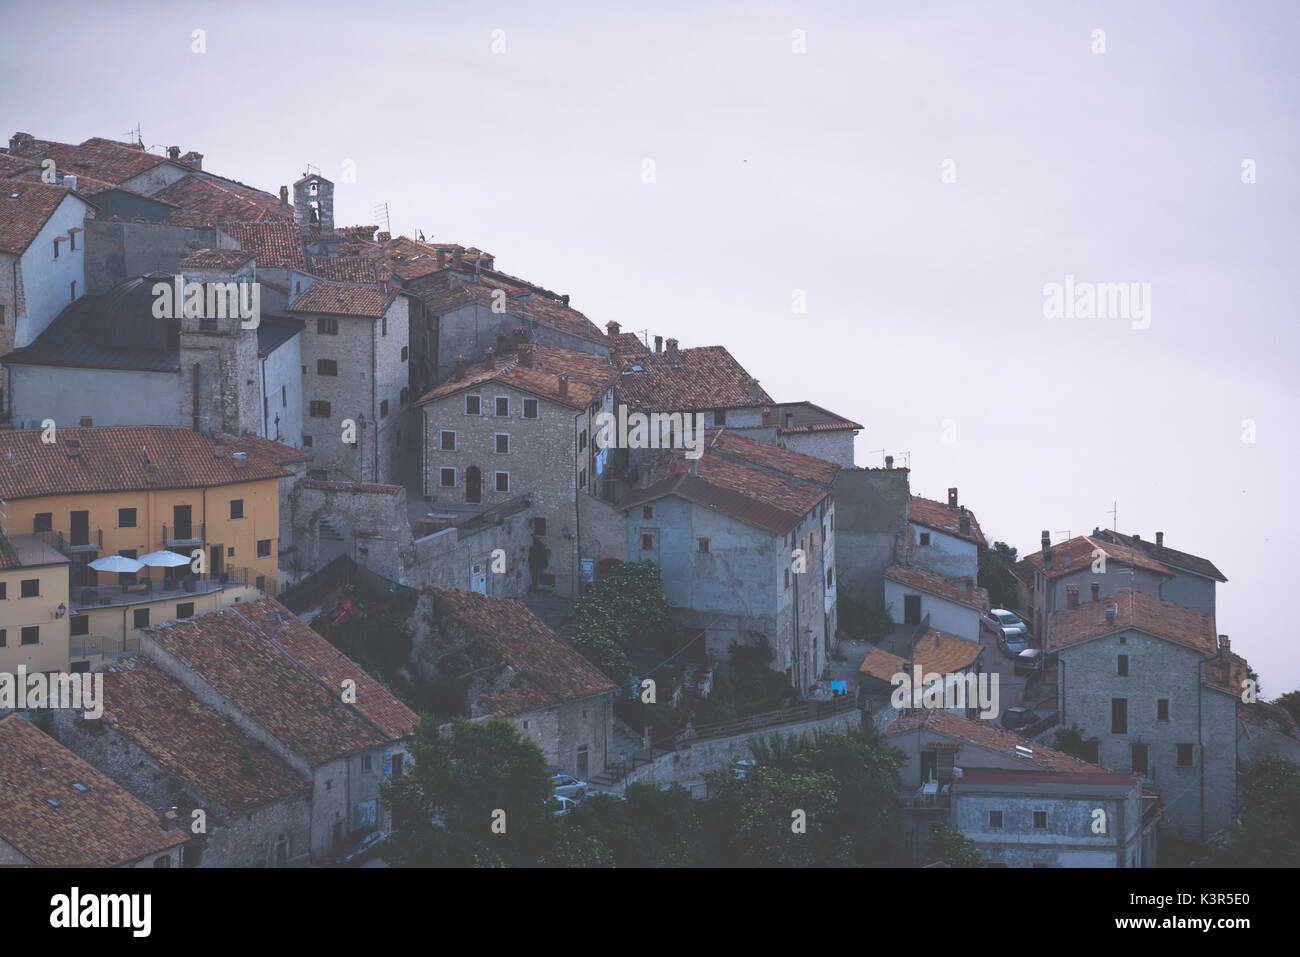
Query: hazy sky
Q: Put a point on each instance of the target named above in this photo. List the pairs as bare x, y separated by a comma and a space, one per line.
821, 171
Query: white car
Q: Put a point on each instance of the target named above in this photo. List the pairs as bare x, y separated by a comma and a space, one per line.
1004, 623
563, 805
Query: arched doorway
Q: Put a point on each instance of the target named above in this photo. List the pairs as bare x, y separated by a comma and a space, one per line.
473, 485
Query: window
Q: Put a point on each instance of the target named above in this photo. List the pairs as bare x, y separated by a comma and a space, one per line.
502, 406
647, 511
4, 639
582, 478
703, 545
647, 543
327, 327
447, 478
582, 440
79, 625
925, 539
73, 291
787, 578
383, 326
1040, 820
1162, 709
264, 548
995, 819
719, 416
502, 443
284, 396
236, 508
327, 367
1139, 758
31, 635
539, 526
1185, 755
366, 763
306, 441
503, 481
405, 352
185, 609
530, 408
473, 405
30, 588
56, 249
141, 618
1119, 716
404, 396
4, 590
43, 522
383, 408
448, 441
319, 410
1121, 666
830, 579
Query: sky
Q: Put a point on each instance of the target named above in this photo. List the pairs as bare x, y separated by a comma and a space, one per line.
912, 174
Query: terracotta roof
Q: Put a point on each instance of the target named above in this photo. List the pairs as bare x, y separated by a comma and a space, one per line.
935, 651
346, 269
25, 208
703, 378
203, 201
1077, 553
344, 299
1135, 609
11, 165
266, 667
102, 826
589, 376
806, 417
28, 551
276, 452
192, 740
104, 159
127, 458
943, 518
1170, 557
1006, 777
961, 590
628, 344
986, 734
1227, 672
732, 445
446, 291
548, 670
1024, 570
277, 244
226, 260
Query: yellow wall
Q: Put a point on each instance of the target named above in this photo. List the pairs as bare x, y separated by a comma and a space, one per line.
16, 612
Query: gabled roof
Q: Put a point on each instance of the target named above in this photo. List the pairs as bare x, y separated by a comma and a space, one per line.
734, 446
548, 670
346, 269
1170, 557
344, 299
121, 458
944, 518
936, 652
1077, 553
108, 160
25, 208
960, 591
1134, 609
806, 417
272, 667
101, 826
203, 201
589, 376
703, 378
276, 243
447, 290
192, 740
987, 735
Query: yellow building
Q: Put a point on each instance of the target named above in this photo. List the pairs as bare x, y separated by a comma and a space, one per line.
33, 606
133, 490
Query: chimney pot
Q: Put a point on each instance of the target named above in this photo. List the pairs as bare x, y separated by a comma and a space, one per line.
612, 328
174, 152
457, 259
1137, 538
1225, 646
659, 343
952, 498
965, 522
284, 195
889, 461
1160, 539
1071, 596
671, 346
564, 387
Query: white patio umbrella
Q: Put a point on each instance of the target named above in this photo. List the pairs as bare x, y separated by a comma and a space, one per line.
116, 563
164, 559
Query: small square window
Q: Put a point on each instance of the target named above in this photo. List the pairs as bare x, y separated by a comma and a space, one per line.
319, 410
719, 416
43, 522
327, 327
4, 638
306, 441
647, 511
647, 543
1040, 820
530, 408
327, 367
264, 548
502, 406
140, 618
502, 443
539, 526
473, 405
30, 588
367, 764
503, 481
925, 539
704, 546
447, 478
1186, 755
185, 609
79, 625
448, 441
995, 819
236, 508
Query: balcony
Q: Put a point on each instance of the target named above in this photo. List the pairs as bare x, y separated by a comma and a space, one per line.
181, 535
83, 646
178, 588
92, 541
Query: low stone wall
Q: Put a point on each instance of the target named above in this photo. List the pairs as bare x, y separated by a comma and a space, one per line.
693, 758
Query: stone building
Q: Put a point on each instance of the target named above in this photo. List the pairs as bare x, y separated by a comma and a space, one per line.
914, 595
286, 687
172, 751
744, 539
871, 511
522, 423
945, 538
1149, 679
57, 810
1023, 805
500, 660
1194, 578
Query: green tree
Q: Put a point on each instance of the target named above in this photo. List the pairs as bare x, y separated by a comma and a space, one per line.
1268, 832
650, 828
625, 607
950, 846
1071, 741
478, 796
1291, 702
995, 574
772, 818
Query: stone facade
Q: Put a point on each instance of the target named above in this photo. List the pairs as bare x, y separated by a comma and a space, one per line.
871, 529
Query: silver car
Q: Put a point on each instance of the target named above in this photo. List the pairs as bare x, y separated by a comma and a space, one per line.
1003, 623
566, 785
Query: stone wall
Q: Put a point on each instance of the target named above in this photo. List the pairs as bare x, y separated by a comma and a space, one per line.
371, 520
870, 528
117, 250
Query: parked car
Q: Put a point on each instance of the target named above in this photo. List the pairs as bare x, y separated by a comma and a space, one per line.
563, 805
1000, 622
1014, 643
567, 785
1029, 661
1013, 719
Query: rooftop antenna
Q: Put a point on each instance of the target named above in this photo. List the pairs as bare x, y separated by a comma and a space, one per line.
1114, 518
309, 167
136, 136
381, 212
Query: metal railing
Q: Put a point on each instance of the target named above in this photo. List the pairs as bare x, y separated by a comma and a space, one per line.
109, 647
184, 534
806, 711
94, 541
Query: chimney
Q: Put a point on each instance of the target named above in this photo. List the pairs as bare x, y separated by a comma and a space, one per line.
173, 152
767, 417
1111, 612
659, 343
383, 237
1096, 591
564, 387
1225, 647
87, 422
936, 638
284, 195
518, 336
565, 300
442, 259
193, 159
503, 343
490, 359
1071, 596
612, 328
952, 498
526, 355
20, 141
1160, 539
889, 461
1137, 538
964, 526
239, 460
460, 368
1047, 550
73, 447
457, 260
672, 348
